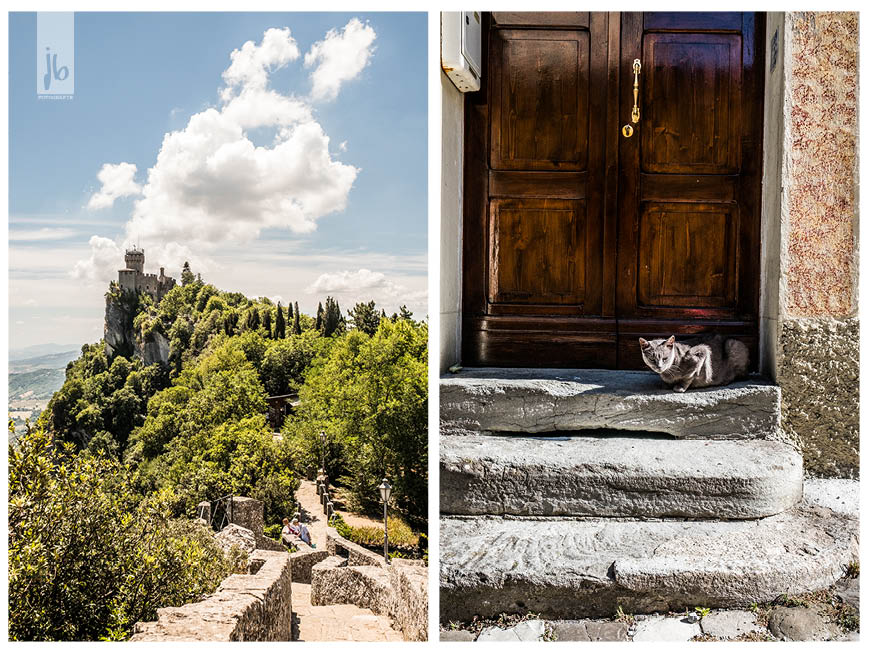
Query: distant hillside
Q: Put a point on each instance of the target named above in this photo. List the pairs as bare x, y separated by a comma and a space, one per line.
47, 361
31, 351
38, 384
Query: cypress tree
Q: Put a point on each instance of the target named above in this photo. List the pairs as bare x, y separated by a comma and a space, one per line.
280, 324
320, 317
297, 326
267, 322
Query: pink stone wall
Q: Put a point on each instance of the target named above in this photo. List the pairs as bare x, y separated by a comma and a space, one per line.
821, 263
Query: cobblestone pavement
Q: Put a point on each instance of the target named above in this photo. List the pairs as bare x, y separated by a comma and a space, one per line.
827, 615
336, 622
332, 622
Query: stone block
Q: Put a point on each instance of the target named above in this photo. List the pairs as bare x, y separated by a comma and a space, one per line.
799, 624
618, 476
456, 635
565, 568
729, 623
524, 400
659, 628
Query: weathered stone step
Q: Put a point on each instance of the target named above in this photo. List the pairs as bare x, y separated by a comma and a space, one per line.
576, 568
618, 476
530, 400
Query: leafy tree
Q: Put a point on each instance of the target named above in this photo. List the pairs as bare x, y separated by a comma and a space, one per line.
280, 323
186, 275
370, 394
405, 313
332, 321
87, 557
286, 361
365, 317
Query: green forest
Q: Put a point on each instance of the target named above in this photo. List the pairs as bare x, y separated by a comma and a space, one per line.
103, 487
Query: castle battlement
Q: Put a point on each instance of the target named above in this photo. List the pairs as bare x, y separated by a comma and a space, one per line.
134, 278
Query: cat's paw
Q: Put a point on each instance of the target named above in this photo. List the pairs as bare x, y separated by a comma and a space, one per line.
679, 389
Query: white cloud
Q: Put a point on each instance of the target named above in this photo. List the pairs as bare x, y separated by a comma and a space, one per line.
345, 281
117, 181
42, 234
338, 58
211, 185
102, 265
252, 63
365, 285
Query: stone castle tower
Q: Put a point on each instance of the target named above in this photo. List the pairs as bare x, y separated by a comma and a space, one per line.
134, 278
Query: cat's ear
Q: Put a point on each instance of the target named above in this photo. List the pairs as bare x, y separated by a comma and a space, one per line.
643, 343
670, 341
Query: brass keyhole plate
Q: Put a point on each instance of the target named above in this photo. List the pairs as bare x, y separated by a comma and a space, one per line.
627, 130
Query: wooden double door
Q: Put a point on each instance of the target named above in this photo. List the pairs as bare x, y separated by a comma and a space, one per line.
612, 185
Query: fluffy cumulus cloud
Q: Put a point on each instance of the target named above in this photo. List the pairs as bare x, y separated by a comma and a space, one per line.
103, 262
116, 181
364, 285
212, 185
344, 281
338, 58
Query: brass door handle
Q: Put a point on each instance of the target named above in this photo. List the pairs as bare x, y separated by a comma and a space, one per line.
635, 113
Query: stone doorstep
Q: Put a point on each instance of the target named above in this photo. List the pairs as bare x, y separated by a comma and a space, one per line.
529, 400
618, 477
564, 568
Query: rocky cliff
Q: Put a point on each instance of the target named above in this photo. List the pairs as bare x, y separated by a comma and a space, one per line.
120, 333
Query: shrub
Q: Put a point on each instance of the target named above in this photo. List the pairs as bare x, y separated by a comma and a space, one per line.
87, 559
273, 531
400, 534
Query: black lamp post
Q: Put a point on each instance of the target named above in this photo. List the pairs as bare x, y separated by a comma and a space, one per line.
385, 491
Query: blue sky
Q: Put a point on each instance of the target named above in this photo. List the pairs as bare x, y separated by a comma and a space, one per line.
322, 191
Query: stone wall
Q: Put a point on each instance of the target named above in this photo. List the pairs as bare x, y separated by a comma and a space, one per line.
302, 562
819, 374
256, 607
818, 332
409, 581
248, 513
355, 554
352, 574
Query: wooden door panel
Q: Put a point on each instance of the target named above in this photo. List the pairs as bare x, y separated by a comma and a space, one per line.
538, 18
538, 251
694, 21
540, 92
688, 255
691, 91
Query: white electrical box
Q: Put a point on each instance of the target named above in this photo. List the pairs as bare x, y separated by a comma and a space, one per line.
461, 37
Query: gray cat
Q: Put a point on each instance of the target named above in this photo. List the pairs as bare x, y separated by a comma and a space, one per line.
713, 361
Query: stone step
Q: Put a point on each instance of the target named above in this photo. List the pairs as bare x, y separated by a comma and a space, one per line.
618, 476
531, 400
576, 568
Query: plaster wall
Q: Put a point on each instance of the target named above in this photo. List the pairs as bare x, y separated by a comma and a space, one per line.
817, 354
452, 138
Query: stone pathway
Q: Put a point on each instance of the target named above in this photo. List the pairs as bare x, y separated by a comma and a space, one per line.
336, 622
315, 520
332, 622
